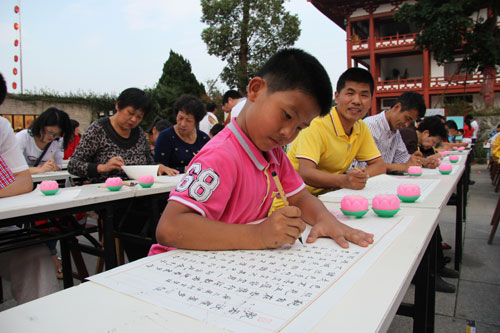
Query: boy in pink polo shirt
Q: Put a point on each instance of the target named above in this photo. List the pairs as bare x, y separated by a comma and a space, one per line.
229, 183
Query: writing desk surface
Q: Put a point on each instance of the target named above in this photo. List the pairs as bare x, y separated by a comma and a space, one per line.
436, 198
372, 303
52, 175
369, 305
69, 197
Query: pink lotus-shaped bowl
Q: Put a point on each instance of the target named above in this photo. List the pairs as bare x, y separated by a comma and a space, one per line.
354, 205
114, 183
461, 148
445, 168
444, 153
455, 148
146, 181
415, 171
454, 158
385, 205
408, 192
49, 187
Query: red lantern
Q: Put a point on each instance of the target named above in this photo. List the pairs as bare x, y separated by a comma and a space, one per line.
16, 9
16, 43
14, 85
16, 58
16, 26
14, 71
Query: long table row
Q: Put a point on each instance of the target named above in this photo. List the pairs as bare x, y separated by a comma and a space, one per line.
368, 302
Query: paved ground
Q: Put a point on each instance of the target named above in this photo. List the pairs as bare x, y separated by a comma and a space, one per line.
478, 288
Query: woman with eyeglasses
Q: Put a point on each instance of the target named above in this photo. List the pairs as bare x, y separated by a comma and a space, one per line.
43, 143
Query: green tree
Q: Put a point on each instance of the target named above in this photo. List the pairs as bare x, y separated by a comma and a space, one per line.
454, 28
245, 34
177, 79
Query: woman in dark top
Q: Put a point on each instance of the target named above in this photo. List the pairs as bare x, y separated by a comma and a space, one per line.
112, 142
178, 144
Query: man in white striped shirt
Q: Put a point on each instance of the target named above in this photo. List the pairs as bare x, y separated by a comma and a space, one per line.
385, 131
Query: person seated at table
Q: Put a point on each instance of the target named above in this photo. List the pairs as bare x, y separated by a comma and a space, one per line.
210, 118
232, 104
70, 149
107, 145
495, 149
428, 134
451, 140
385, 127
425, 138
29, 269
43, 143
229, 184
177, 145
216, 129
155, 129
323, 152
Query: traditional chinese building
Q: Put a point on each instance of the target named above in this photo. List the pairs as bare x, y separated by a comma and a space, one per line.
387, 49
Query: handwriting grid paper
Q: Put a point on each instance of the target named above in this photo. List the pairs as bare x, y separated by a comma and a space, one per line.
244, 291
384, 184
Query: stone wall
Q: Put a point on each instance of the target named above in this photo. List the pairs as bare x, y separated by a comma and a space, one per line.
486, 124
81, 113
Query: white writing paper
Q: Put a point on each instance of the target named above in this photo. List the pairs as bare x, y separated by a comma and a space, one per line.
244, 291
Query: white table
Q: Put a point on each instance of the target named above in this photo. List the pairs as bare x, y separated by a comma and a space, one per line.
368, 306
53, 175
35, 206
437, 198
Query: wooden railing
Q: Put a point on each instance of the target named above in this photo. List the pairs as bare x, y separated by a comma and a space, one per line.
399, 85
384, 42
469, 80
437, 82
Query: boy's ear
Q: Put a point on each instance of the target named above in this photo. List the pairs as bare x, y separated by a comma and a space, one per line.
336, 95
256, 86
116, 106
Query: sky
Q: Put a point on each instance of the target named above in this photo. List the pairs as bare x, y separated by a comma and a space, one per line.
104, 47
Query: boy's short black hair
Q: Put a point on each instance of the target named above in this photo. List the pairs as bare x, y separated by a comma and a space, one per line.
216, 129
355, 74
412, 101
211, 106
190, 104
3, 89
230, 94
136, 98
451, 124
294, 69
435, 127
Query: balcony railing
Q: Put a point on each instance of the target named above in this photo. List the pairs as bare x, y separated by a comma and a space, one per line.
384, 42
470, 80
399, 85
435, 83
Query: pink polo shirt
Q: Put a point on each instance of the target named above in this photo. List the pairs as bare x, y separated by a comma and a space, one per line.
230, 180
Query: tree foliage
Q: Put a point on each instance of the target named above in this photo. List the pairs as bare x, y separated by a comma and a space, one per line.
454, 27
177, 79
245, 34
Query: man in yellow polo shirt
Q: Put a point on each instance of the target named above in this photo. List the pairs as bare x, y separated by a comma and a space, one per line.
323, 152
